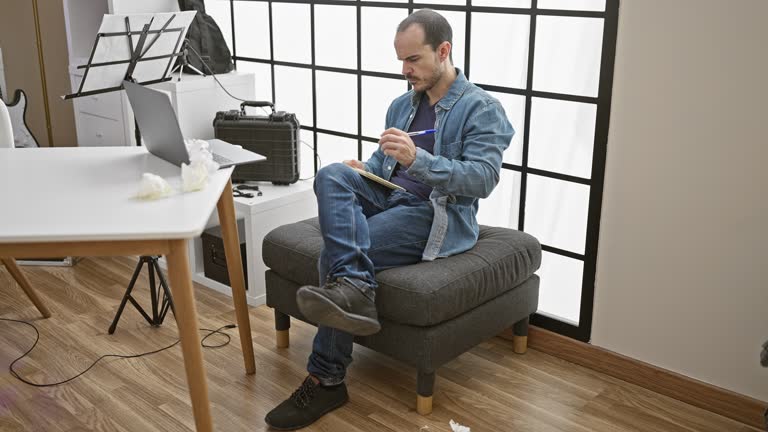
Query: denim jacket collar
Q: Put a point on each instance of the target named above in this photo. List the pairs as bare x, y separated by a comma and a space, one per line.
457, 89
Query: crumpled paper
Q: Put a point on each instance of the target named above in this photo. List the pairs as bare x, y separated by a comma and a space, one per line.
457, 427
152, 187
194, 176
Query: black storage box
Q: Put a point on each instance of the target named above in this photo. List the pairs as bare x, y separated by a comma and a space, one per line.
214, 258
275, 136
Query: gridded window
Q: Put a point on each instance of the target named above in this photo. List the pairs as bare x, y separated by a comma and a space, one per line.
291, 33
507, 66
293, 92
252, 24
337, 102
336, 36
567, 56
562, 136
548, 62
514, 106
378, 38
378, 93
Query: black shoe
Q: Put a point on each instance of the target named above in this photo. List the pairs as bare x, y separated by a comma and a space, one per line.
307, 404
343, 304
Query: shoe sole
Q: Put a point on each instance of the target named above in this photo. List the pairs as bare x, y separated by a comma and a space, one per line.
307, 424
323, 311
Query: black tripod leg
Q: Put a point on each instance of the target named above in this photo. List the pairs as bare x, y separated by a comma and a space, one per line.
126, 296
167, 298
152, 261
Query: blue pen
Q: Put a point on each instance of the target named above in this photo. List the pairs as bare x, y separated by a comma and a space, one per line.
424, 132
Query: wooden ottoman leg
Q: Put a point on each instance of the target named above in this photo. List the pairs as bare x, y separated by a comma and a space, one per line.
425, 383
520, 336
282, 324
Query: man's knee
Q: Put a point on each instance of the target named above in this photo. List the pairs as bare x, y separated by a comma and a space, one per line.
335, 173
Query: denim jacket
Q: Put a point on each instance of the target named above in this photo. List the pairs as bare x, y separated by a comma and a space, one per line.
472, 133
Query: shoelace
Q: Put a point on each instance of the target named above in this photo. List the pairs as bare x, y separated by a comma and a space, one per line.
303, 395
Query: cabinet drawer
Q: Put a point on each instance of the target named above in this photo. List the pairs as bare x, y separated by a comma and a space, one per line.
108, 105
95, 131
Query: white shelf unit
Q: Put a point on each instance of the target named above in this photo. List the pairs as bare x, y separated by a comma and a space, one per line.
278, 205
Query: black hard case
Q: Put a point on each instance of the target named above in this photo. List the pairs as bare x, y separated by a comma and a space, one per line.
214, 257
275, 136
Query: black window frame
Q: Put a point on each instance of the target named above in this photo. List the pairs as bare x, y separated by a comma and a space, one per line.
602, 101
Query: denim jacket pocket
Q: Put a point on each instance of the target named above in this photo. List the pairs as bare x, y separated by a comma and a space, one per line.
452, 150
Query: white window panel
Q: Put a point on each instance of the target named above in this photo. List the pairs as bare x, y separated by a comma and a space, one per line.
368, 149
378, 94
458, 22
444, 2
502, 207
499, 49
306, 155
291, 30
252, 25
556, 212
220, 11
503, 3
293, 92
263, 77
336, 101
560, 287
562, 136
567, 55
378, 29
336, 36
334, 149
585, 5
514, 106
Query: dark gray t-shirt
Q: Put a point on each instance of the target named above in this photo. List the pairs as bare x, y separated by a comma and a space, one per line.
424, 119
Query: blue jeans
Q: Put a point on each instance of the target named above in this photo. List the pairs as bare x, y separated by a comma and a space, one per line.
366, 228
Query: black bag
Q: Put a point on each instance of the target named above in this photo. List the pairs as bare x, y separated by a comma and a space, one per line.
205, 38
275, 136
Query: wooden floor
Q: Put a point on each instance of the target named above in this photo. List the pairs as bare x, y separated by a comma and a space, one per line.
488, 389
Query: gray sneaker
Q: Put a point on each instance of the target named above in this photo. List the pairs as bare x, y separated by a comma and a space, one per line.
344, 304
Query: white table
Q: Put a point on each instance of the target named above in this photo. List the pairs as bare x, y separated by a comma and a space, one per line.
80, 201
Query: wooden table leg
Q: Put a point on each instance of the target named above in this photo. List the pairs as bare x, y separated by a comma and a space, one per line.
186, 318
226, 207
14, 270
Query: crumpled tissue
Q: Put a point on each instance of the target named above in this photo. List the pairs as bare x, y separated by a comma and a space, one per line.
457, 427
153, 187
194, 176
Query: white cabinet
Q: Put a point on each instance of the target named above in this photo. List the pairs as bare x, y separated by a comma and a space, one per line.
196, 99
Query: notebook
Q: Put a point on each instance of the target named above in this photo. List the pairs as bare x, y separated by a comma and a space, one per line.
377, 179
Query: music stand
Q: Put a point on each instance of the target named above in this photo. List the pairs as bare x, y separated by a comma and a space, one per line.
138, 48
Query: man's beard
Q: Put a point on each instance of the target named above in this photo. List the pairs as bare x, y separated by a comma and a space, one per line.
430, 81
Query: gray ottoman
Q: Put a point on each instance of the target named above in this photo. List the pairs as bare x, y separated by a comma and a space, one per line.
430, 312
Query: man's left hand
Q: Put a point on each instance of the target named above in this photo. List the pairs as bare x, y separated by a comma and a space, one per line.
399, 145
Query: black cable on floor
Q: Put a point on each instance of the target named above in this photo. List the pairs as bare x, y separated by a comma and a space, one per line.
37, 338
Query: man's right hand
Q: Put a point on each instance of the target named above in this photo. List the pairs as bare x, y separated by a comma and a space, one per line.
355, 164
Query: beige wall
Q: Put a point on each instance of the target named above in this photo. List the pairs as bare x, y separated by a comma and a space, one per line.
22, 68
56, 59
682, 274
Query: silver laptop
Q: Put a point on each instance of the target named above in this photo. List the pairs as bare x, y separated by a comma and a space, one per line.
162, 136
